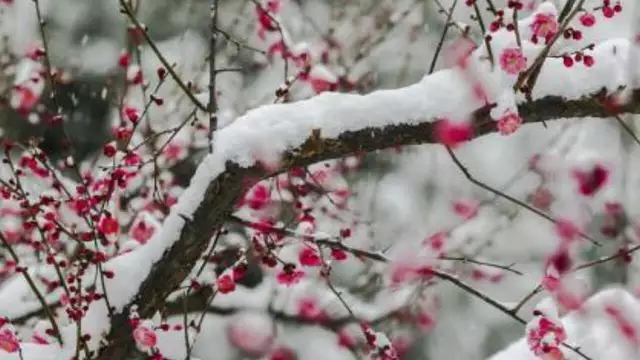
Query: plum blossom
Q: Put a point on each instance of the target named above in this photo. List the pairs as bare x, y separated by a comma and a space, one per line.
452, 134
108, 225
466, 208
309, 257
141, 231
308, 309
9, 341
545, 334
512, 61
545, 25
225, 284
145, 337
509, 123
590, 182
289, 275
587, 19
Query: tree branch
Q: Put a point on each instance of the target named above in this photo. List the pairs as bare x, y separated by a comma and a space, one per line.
223, 192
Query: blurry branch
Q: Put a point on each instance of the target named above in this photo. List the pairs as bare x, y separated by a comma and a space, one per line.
443, 36
618, 255
212, 107
335, 243
32, 285
237, 43
278, 28
222, 194
509, 198
435, 272
126, 9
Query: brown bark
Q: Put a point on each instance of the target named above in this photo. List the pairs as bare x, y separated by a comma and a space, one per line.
222, 194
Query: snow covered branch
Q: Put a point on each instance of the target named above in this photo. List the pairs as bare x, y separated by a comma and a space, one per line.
346, 124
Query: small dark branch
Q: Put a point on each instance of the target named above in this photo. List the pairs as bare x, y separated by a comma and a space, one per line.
442, 37
34, 288
213, 106
237, 43
565, 10
617, 255
461, 259
507, 197
126, 9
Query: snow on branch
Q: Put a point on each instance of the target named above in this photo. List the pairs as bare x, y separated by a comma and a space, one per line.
273, 138
324, 127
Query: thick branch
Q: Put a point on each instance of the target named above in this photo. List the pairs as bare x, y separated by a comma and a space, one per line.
223, 193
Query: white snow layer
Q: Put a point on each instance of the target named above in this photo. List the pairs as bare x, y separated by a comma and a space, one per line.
592, 330
269, 130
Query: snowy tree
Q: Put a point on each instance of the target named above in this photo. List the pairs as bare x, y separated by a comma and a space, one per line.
310, 179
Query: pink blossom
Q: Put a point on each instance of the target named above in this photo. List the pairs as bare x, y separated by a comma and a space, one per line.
9, 341
24, 98
39, 339
175, 151
452, 134
282, 353
131, 114
459, 52
289, 276
108, 225
541, 198
141, 232
550, 283
308, 309
425, 321
545, 25
512, 61
466, 209
125, 59
587, 19
309, 257
320, 85
260, 197
225, 284
589, 182
338, 254
435, 241
567, 230
345, 339
145, 337
509, 123
544, 336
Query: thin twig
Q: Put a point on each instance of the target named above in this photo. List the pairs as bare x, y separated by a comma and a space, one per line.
505, 196
143, 30
213, 105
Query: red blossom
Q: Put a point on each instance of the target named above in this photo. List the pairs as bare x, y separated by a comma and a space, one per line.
141, 232
589, 182
452, 134
338, 254
145, 337
587, 19
289, 275
225, 284
124, 60
544, 336
9, 341
108, 225
282, 353
309, 257
545, 25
